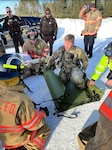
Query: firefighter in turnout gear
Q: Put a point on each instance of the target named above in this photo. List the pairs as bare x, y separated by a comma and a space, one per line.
103, 136
104, 63
48, 29
36, 48
93, 19
22, 126
72, 61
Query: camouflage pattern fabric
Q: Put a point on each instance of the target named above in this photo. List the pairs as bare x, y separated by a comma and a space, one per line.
66, 60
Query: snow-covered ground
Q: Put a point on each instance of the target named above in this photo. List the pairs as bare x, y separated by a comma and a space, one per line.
64, 130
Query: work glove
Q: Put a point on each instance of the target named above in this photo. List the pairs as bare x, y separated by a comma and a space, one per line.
45, 110
54, 37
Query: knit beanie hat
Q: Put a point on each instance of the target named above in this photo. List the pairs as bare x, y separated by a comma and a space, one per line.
47, 10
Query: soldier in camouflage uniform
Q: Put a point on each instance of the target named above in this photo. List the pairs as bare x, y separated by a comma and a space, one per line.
72, 60
36, 48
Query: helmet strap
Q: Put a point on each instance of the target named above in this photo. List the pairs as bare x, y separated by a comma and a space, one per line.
26, 85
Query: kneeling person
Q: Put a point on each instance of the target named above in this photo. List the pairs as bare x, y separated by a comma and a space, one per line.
22, 126
72, 61
104, 63
36, 48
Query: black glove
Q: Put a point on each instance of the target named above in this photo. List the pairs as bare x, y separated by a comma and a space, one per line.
45, 109
109, 76
46, 68
41, 35
95, 36
4, 39
54, 37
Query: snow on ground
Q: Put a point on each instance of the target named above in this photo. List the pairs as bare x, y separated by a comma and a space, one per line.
64, 130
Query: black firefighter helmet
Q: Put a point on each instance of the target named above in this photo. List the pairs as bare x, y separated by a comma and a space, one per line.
108, 50
10, 66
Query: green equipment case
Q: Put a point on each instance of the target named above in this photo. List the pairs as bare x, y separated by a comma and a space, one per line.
68, 96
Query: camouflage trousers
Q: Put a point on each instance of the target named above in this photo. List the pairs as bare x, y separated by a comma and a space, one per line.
67, 76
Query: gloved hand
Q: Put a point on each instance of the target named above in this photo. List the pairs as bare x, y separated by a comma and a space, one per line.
45, 110
82, 32
41, 35
95, 35
54, 37
5, 41
46, 68
42, 59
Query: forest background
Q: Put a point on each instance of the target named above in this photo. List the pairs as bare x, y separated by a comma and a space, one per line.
59, 8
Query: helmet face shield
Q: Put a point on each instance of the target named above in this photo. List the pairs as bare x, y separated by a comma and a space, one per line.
108, 50
108, 53
10, 66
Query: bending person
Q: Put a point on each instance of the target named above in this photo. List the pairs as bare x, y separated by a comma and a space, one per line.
36, 48
22, 126
105, 62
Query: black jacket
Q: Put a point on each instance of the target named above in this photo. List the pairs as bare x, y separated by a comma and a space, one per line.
48, 26
12, 24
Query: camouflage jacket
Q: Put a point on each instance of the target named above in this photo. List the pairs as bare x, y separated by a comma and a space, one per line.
13, 23
69, 59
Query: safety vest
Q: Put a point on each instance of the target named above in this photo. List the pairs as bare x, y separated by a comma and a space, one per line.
106, 107
101, 67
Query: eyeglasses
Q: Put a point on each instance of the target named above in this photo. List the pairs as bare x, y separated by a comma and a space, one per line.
8, 12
